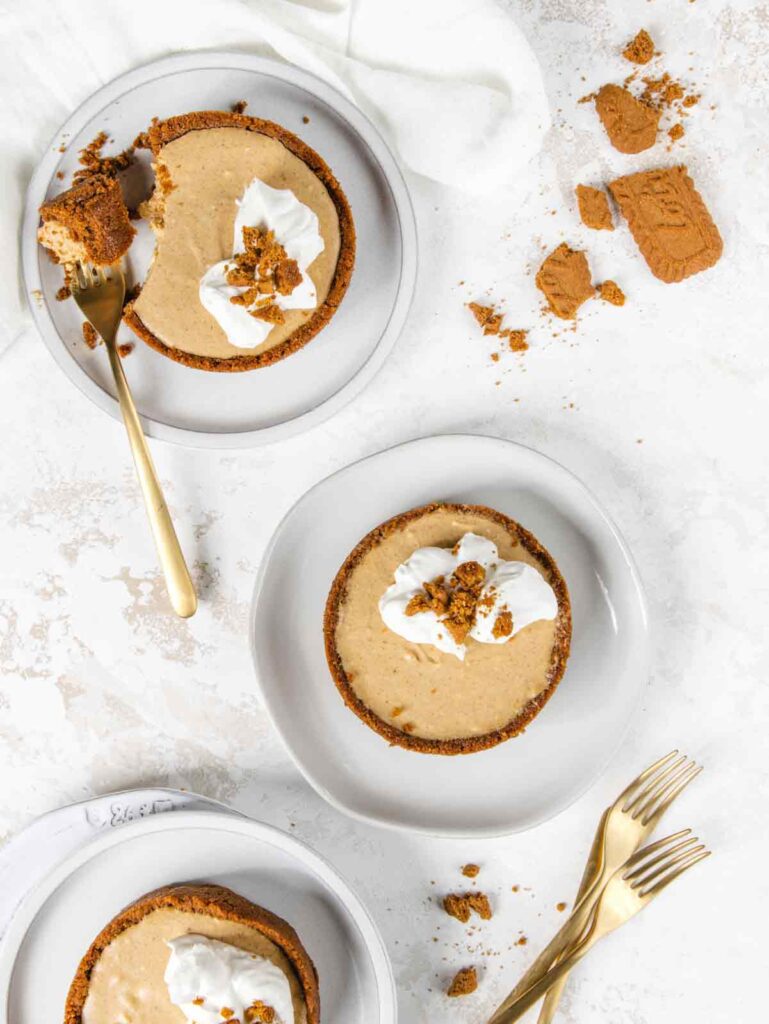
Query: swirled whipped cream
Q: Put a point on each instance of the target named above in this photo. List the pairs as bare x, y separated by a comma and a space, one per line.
212, 982
508, 596
296, 228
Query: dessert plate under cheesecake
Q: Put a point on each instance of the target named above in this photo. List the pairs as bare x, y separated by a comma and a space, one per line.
518, 762
104, 917
335, 329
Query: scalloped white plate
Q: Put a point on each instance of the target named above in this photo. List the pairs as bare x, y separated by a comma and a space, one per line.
223, 410
517, 784
61, 916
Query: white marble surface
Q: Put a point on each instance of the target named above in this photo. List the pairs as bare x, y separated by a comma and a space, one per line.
661, 407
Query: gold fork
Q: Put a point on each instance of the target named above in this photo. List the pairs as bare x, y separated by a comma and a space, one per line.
627, 892
623, 828
100, 297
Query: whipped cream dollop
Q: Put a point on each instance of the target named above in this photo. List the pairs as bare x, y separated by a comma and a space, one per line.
297, 229
205, 976
514, 587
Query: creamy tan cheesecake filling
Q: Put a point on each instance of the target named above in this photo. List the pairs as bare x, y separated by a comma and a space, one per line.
416, 687
209, 170
126, 984
60, 241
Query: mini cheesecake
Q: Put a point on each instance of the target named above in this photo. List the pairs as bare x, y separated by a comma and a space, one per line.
465, 694
205, 164
122, 976
88, 223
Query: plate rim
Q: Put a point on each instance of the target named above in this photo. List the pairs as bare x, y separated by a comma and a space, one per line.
368, 134
491, 831
225, 821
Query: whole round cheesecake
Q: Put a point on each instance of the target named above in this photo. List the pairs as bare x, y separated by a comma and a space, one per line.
255, 242
196, 953
448, 628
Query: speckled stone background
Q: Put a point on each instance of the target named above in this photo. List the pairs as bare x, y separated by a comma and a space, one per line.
661, 407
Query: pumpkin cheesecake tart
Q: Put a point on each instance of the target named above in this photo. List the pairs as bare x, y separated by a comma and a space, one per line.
255, 242
448, 628
195, 953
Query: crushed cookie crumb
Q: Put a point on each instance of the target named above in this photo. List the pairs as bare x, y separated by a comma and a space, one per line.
503, 625
487, 317
63, 293
640, 49
90, 336
92, 162
464, 982
594, 210
305, 119
560, 907
522, 941
460, 906
471, 870
125, 349
239, 106
516, 339
676, 132
611, 292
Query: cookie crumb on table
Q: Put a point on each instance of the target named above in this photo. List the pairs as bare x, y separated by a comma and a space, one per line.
464, 982
630, 123
611, 292
239, 107
640, 49
594, 210
564, 279
471, 870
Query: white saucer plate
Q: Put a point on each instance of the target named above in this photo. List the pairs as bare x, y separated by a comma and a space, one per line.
223, 410
517, 784
59, 919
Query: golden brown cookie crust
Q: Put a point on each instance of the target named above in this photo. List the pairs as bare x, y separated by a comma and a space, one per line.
460, 745
162, 132
215, 901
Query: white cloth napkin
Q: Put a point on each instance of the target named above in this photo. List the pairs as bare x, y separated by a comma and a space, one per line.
452, 84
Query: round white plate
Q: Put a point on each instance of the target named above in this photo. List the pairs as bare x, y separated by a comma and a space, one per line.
58, 921
223, 410
517, 784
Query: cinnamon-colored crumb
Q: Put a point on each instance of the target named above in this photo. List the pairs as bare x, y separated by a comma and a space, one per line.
564, 279
239, 107
594, 208
479, 902
611, 292
640, 49
464, 982
662, 92
455, 601
487, 317
630, 123
676, 132
305, 119
125, 349
259, 1013
471, 870
516, 339
90, 336
503, 625
265, 271
92, 162
522, 941
560, 907
457, 906
63, 293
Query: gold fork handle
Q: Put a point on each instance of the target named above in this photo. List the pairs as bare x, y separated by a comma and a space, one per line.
516, 1005
595, 862
180, 587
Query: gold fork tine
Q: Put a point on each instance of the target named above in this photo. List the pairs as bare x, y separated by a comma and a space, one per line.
653, 784
644, 874
664, 882
646, 774
660, 844
653, 815
658, 791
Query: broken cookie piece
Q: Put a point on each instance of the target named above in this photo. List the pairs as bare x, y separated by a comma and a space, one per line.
640, 49
611, 292
630, 124
460, 905
669, 222
594, 208
464, 982
564, 279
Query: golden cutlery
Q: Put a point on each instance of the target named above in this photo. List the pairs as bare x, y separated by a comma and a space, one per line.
623, 828
645, 874
100, 297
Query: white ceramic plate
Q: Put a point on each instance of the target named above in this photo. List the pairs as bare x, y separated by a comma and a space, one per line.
59, 919
521, 782
222, 410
